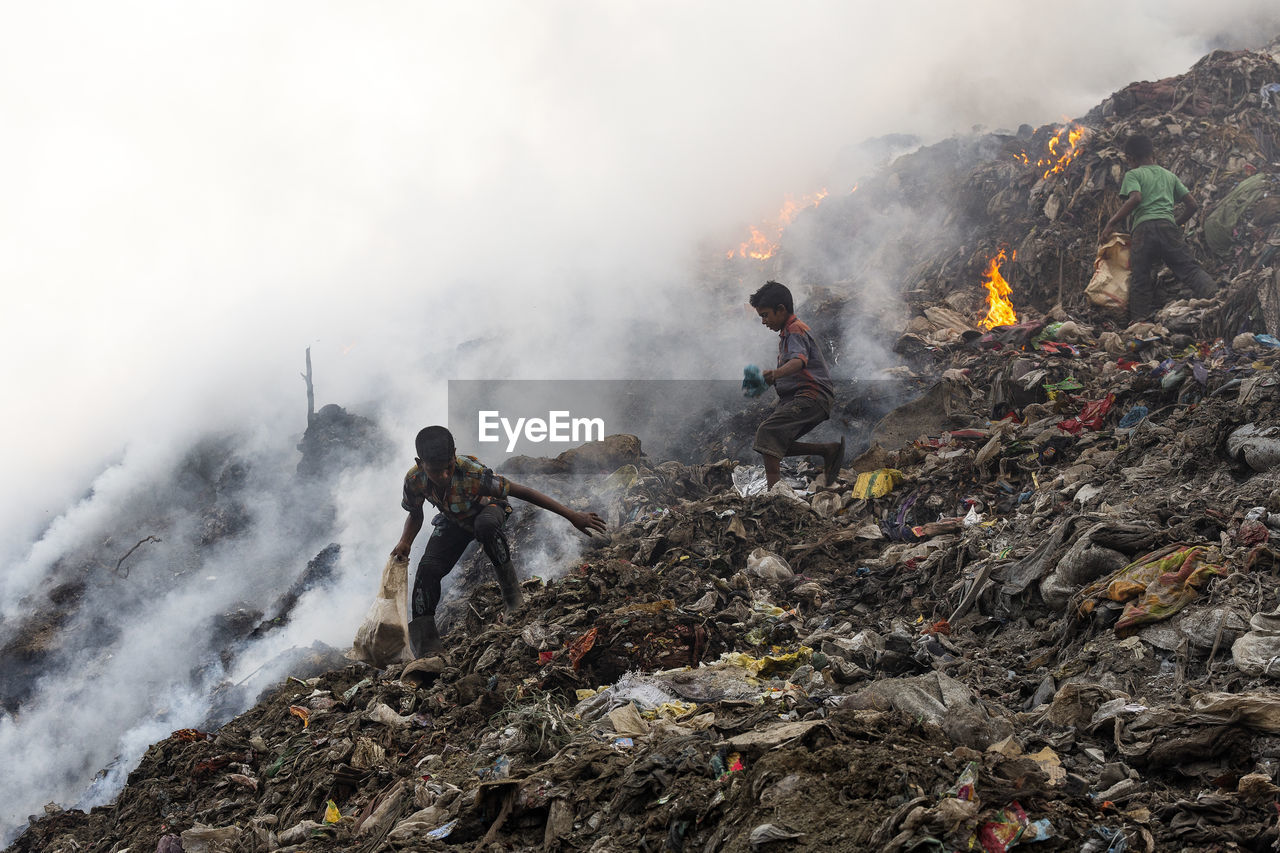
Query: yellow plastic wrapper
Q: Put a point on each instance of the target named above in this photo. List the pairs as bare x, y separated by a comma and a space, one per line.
673, 710
331, 813
878, 483
770, 664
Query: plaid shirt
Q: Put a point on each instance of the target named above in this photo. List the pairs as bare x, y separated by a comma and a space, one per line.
813, 380
471, 488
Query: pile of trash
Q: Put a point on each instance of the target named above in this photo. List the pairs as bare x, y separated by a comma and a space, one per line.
1038, 607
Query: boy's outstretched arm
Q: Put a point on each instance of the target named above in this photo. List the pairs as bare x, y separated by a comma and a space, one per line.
584, 521
412, 525
1189, 208
1135, 199
794, 365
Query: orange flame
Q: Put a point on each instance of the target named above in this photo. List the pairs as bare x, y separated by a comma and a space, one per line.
1000, 308
1057, 160
765, 238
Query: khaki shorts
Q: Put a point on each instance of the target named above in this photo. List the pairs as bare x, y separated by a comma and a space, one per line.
789, 421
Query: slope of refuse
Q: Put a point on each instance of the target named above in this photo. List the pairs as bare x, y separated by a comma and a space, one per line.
1038, 607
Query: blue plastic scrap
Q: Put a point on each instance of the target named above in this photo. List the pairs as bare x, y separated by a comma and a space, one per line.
1133, 417
443, 831
1268, 341
753, 384
1267, 92
1115, 839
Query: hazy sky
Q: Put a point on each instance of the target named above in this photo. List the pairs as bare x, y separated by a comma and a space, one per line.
193, 193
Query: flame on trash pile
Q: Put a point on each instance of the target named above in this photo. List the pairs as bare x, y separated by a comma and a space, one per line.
999, 307
765, 238
1062, 148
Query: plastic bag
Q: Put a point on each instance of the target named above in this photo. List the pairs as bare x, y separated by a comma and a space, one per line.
768, 565
1109, 286
383, 638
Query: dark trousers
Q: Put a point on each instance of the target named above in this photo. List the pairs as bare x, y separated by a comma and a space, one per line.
444, 549
1156, 241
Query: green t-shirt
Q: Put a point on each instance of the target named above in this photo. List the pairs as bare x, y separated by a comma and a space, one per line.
1160, 189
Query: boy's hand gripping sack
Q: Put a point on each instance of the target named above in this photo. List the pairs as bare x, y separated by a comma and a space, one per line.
383, 639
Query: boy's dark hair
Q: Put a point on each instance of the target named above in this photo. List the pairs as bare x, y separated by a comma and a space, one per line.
1139, 147
435, 445
771, 295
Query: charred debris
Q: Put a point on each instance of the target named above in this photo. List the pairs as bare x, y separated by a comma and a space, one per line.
1040, 607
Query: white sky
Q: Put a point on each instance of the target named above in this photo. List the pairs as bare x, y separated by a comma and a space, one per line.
191, 194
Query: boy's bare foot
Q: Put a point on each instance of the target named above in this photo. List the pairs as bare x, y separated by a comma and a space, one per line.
832, 463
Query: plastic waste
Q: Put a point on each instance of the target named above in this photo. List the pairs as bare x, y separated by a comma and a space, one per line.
768, 565
1259, 447
878, 483
753, 384
499, 769
1012, 827
1104, 839
767, 833
1173, 379
1133, 417
1268, 341
1269, 91
443, 831
724, 762
750, 480
966, 784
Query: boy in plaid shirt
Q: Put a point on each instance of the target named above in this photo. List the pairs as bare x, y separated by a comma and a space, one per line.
471, 502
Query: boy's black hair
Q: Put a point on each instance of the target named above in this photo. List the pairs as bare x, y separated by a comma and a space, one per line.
1139, 147
435, 445
771, 295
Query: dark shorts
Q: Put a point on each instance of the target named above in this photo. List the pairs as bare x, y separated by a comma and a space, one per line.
788, 421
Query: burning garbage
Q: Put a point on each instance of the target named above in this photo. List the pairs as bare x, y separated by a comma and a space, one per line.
999, 305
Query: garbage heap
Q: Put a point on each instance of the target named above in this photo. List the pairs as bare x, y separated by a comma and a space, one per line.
1038, 606
1050, 614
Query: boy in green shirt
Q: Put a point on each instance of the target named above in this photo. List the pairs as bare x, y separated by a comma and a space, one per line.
1152, 192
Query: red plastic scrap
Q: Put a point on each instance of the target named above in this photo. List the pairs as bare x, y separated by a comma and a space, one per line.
1090, 417
579, 647
999, 835
1253, 533
545, 657
942, 626
1058, 348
